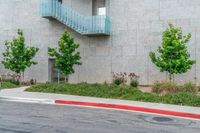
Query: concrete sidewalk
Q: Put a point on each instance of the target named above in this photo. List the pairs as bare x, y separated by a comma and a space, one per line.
20, 94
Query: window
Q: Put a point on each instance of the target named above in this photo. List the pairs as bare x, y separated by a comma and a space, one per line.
101, 11
98, 7
60, 1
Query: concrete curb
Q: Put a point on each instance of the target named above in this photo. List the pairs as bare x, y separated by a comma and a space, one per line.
131, 108
124, 107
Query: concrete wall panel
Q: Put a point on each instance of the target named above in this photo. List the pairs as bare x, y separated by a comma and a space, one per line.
136, 29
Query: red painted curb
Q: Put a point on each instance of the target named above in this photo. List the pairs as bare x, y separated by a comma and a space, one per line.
131, 108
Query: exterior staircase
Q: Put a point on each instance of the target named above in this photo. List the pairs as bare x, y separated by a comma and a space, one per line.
85, 25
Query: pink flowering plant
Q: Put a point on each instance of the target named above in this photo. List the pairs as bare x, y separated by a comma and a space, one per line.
133, 79
119, 78
11, 77
123, 78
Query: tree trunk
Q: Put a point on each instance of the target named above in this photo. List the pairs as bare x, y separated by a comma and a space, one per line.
1, 78
20, 78
65, 79
170, 77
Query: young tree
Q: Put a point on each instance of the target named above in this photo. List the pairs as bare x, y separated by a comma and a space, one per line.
173, 55
65, 55
17, 56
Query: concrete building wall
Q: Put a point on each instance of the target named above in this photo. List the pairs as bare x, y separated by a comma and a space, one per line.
82, 6
136, 29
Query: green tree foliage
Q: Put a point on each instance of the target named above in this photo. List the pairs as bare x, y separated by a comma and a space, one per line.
173, 55
17, 56
65, 55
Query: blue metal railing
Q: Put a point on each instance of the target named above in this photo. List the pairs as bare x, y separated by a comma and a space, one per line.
86, 25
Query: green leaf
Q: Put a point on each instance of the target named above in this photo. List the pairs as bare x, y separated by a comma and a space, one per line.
17, 56
173, 55
65, 54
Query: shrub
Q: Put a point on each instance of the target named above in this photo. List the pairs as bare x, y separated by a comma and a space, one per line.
188, 87
123, 77
169, 87
119, 78
13, 81
133, 80
118, 81
5, 85
29, 82
11, 77
134, 83
165, 87
156, 87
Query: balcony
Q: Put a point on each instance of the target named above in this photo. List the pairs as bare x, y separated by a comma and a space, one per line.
85, 25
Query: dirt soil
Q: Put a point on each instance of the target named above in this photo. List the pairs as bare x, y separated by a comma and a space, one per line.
145, 88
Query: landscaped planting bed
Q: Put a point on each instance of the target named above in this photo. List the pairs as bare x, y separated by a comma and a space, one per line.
7, 85
117, 92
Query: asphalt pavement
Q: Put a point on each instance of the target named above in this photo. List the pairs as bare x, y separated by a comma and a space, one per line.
19, 117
